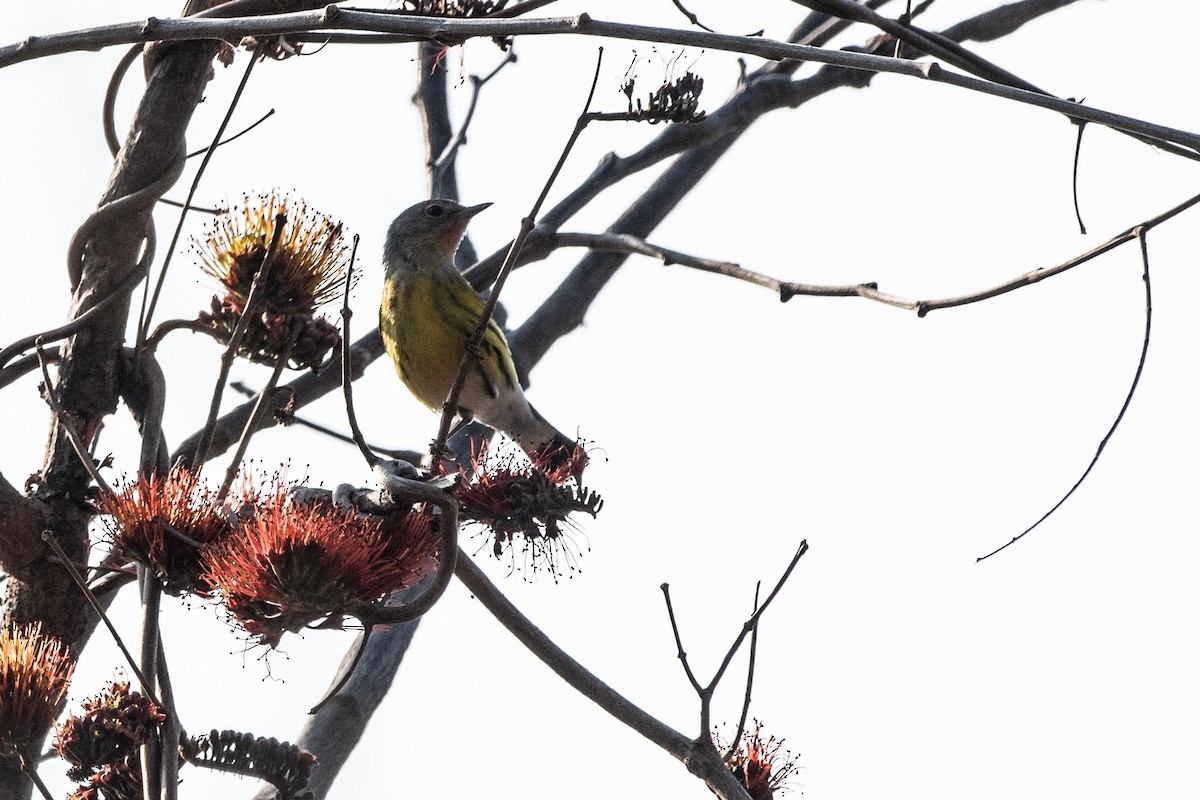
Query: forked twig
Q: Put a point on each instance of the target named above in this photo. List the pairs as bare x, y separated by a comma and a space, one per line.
750, 627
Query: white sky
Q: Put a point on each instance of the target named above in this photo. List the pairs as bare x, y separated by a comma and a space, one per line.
734, 426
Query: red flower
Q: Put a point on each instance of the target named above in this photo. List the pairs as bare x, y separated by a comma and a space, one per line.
533, 501
762, 765
163, 522
291, 564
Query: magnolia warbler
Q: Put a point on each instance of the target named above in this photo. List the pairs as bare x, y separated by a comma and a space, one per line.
428, 314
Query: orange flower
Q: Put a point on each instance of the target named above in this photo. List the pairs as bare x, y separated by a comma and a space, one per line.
762, 765
307, 271
533, 501
163, 522
293, 564
35, 671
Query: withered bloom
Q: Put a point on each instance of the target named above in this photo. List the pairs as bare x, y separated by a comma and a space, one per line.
35, 670
282, 764
290, 565
762, 765
100, 742
164, 522
532, 501
306, 271
673, 101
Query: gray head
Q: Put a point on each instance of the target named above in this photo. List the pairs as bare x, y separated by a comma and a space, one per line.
431, 227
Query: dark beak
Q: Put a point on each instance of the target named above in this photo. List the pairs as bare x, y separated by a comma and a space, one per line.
471, 211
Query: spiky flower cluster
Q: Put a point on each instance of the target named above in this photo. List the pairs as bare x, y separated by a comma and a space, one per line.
277, 565
101, 744
35, 670
532, 501
164, 522
288, 566
762, 765
306, 270
286, 766
452, 8
673, 101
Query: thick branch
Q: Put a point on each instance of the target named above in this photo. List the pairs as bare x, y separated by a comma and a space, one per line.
457, 30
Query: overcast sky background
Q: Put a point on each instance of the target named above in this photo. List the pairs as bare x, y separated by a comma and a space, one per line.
731, 426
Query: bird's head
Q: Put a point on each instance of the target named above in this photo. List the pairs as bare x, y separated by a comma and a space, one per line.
431, 226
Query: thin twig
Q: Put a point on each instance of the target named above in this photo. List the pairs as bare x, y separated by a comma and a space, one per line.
30, 771
1137, 376
683, 659
1075, 177
235, 463
411, 456
172, 730
570, 670
348, 673
741, 726
147, 688
147, 314
151, 748
270, 113
446, 157
165, 327
87, 317
347, 378
399, 486
692, 18
450, 407
257, 287
751, 623
624, 243
65, 423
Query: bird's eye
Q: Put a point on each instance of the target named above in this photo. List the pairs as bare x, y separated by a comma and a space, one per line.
435, 211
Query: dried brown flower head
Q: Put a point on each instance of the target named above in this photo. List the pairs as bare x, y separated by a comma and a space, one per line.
673, 101
120, 780
532, 501
290, 565
112, 727
164, 522
35, 670
282, 764
306, 271
762, 765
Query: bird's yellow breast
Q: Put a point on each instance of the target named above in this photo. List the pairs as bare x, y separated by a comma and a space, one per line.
425, 319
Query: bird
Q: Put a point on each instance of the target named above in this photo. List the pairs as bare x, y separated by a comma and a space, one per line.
427, 316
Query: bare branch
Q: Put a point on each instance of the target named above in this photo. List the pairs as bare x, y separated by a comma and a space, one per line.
456, 30
1137, 377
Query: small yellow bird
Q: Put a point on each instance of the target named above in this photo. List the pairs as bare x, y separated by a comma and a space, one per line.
429, 313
